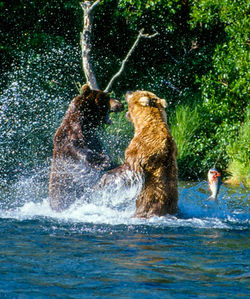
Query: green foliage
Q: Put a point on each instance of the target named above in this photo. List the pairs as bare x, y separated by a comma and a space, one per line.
210, 143
148, 13
239, 154
225, 87
184, 124
117, 136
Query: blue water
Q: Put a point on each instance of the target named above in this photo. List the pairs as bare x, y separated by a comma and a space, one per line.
96, 249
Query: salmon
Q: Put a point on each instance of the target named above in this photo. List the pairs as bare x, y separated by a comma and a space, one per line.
214, 180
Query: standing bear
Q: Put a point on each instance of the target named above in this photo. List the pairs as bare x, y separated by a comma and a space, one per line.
151, 154
78, 155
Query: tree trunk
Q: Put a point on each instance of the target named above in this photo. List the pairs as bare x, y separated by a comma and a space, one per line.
86, 43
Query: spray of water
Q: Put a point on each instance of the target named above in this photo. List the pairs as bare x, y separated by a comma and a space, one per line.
28, 199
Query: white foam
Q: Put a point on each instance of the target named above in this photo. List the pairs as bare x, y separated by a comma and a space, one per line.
117, 206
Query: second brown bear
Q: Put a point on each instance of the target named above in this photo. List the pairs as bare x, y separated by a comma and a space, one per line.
151, 154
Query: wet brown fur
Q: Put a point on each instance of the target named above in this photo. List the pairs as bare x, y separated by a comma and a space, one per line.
76, 144
152, 153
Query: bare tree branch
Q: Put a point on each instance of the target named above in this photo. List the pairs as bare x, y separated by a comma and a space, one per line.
139, 36
85, 35
95, 4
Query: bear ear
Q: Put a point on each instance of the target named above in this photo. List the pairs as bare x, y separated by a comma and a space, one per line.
85, 90
144, 101
163, 103
129, 96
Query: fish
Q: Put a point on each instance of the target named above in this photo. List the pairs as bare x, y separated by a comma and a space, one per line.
214, 181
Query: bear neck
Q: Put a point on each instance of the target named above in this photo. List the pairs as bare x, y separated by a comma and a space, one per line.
150, 139
81, 126
80, 112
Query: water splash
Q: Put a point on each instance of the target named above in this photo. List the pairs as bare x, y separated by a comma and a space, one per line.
32, 106
29, 200
232, 206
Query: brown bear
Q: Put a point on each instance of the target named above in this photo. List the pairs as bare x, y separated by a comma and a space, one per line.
151, 154
78, 155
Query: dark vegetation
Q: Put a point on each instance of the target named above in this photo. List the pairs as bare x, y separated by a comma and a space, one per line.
199, 63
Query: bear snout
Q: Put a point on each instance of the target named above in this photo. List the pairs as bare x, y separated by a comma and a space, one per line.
115, 106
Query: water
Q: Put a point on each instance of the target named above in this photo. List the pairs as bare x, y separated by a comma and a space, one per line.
96, 249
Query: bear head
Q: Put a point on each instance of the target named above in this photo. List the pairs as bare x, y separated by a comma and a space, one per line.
94, 106
144, 104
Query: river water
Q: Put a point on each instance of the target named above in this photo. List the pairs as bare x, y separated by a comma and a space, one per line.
96, 249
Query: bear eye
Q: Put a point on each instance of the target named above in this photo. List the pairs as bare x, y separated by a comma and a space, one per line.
153, 102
